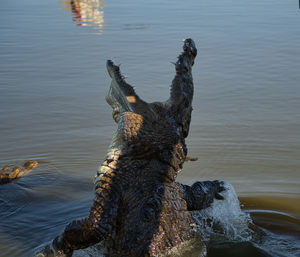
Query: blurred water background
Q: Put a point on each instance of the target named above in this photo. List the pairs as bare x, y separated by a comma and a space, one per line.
245, 124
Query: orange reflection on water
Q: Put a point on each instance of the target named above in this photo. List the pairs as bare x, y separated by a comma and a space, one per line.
86, 12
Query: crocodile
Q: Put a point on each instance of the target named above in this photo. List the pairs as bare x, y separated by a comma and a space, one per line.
139, 209
8, 175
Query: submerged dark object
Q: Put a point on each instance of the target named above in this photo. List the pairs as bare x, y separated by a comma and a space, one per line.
8, 175
139, 209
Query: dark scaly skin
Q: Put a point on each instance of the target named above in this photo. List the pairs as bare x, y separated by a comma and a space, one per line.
139, 209
8, 175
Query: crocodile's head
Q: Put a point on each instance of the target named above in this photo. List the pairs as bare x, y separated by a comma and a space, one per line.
150, 127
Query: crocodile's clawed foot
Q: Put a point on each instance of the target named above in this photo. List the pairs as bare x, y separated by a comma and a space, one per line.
210, 189
202, 194
219, 187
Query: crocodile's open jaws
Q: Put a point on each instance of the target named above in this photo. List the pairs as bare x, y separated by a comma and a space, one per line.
139, 209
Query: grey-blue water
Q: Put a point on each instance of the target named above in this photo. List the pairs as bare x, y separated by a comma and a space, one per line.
245, 124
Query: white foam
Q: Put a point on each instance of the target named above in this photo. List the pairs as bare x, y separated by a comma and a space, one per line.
224, 218
95, 250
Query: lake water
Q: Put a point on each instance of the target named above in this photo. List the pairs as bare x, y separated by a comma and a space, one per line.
245, 126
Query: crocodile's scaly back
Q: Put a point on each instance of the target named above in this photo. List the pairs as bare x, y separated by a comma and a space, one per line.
139, 209
145, 156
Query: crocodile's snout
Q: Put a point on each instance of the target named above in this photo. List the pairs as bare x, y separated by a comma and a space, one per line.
189, 45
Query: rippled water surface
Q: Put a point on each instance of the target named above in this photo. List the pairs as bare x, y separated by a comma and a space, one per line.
245, 124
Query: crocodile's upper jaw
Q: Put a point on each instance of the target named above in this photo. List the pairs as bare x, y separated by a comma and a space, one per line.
115, 97
177, 109
121, 96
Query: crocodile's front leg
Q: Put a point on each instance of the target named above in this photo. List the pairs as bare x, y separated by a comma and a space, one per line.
88, 231
202, 194
78, 234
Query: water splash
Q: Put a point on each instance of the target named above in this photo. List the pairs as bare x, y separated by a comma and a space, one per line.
224, 219
95, 250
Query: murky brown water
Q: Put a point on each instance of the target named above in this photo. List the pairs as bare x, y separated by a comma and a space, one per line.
246, 119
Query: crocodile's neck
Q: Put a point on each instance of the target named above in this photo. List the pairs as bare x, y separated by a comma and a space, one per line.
108, 167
